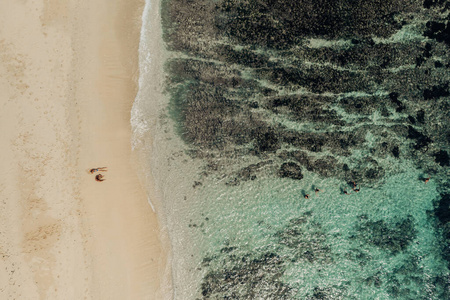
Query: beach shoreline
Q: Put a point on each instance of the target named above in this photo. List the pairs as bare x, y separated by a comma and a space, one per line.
70, 74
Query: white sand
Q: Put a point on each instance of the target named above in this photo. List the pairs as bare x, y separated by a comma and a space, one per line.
68, 74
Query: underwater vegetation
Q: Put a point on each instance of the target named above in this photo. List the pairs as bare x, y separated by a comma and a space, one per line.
248, 278
250, 76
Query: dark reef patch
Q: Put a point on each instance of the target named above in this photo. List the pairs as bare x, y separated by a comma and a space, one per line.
394, 98
320, 79
374, 280
421, 139
244, 57
396, 151
290, 170
401, 282
327, 166
305, 108
442, 158
443, 210
421, 116
440, 31
281, 24
435, 3
393, 237
306, 240
359, 256
249, 172
436, 92
266, 140
327, 293
245, 277
363, 105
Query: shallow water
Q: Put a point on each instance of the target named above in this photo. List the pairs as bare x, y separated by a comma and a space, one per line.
263, 106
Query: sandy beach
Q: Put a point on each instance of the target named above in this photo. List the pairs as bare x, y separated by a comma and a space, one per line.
68, 76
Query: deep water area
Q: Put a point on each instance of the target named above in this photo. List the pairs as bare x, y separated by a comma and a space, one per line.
320, 134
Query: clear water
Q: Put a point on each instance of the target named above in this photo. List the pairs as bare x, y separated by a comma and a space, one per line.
218, 141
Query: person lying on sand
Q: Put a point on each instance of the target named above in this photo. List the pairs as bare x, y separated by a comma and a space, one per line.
103, 169
99, 177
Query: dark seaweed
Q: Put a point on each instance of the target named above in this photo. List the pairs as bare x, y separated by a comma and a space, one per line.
394, 237
281, 24
290, 170
442, 158
306, 239
220, 102
440, 31
247, 278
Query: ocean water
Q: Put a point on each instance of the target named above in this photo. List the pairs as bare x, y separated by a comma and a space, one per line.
267, 101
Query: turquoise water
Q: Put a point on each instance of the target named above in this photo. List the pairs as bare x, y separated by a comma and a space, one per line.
267, 101
330, 239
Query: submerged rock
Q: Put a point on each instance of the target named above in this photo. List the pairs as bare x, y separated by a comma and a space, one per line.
266, 141
396, 151
443, 210
306, 240
394, 237
442, 158
440, 31
436, 92
422, 140
243, 277
280, 24
290, 170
